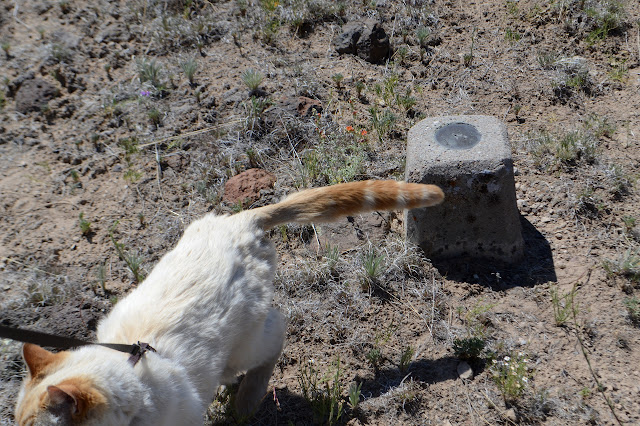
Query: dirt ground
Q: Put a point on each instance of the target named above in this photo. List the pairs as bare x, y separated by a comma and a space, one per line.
111, 143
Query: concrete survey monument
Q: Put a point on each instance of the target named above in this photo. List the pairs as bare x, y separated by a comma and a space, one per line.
469, 157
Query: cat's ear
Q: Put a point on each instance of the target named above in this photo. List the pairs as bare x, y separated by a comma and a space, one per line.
62, 400
37, 358
75, 397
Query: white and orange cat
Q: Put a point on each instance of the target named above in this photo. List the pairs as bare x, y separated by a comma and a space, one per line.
206, 308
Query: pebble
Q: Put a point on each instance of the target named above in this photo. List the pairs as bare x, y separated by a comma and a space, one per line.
465, 371
510, 415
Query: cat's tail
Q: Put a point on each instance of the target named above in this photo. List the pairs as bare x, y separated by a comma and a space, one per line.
329, 203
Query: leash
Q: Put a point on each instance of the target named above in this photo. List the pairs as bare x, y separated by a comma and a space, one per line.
136, 350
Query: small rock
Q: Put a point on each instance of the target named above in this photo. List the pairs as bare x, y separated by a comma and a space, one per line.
300, 105
465, 371
510, 415
34, 94
247, 185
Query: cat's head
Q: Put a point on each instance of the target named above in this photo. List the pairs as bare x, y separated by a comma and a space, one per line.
57, 391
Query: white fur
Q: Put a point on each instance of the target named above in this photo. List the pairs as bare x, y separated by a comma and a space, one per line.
206, 309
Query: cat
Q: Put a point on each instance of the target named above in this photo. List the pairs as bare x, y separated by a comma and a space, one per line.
206, 308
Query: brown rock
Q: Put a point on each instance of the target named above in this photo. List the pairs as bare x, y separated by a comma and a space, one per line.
247, 185
300, 105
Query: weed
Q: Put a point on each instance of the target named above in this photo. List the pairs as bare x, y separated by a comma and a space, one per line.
60, 53
154, 117
633, 309
383, 123
585, 393
475, 319
620, 184
372, 265
189, 68
337, 78
565, 149
150, 70
564, 305
354, 395
3, 100
511, 36
324, 394
511, 375
359, 87
629, 223
132, 259
85, 225
252, 79
6, 47
619, 71
101, 276
405, 359
331, 254
374, 356
422, 34
333, 161
468, 57
599, 126
588, 203
547, 60
469, 348
627, 265
606, 16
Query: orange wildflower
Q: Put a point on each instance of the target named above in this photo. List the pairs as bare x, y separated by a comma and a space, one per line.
363, 132
349, 128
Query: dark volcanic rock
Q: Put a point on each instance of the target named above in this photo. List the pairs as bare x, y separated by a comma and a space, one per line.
34, 94
367, 39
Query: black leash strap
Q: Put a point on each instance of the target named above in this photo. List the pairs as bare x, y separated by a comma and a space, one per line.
53, 341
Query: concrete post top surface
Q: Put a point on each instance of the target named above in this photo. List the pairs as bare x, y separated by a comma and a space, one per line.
493, 143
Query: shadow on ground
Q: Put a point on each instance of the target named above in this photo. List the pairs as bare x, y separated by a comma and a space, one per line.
293, 408
536, 267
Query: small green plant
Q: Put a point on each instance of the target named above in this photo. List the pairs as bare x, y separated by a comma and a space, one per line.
189, 68
467, 59
3, 100
511, 36
60, 53
469, 348
85, 225
324, 393
154, 117
629, 223
619, 72
405, 359
374, 356
606, 17
627, 265
585, 392
511, 375
382, 122
354, 395
422, 34
331, 254
337, 78
564, 305
133, 261
150, 71
252, 79
6, 47
359, 88
475, 319
101, 276
372, 263
633, 309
